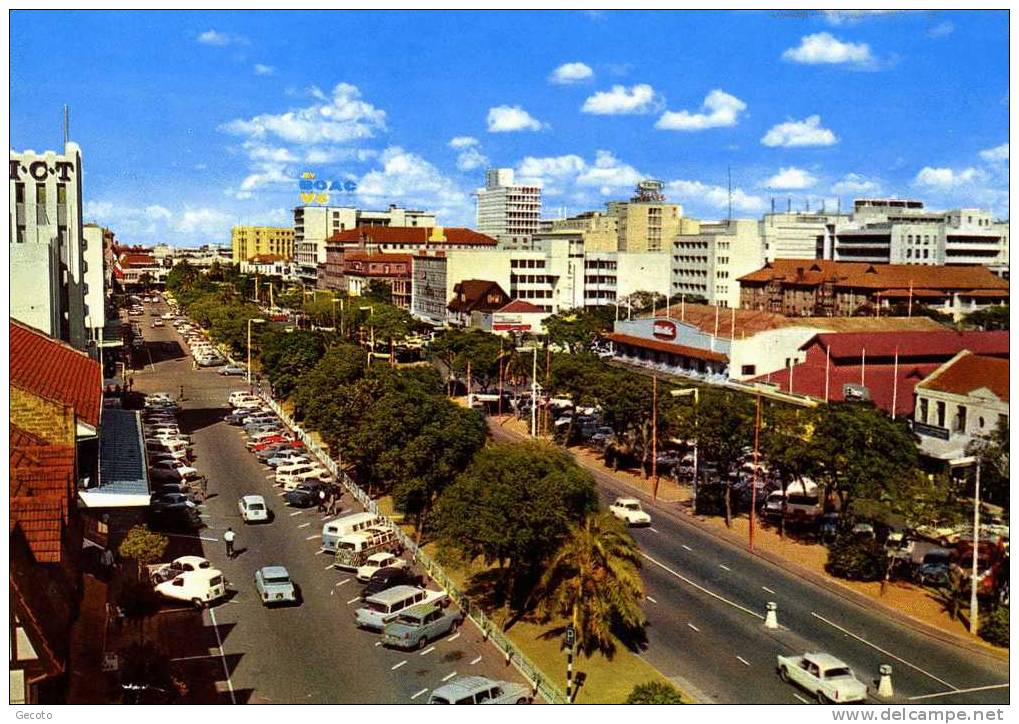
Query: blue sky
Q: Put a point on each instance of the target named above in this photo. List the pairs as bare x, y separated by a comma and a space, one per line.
192, 121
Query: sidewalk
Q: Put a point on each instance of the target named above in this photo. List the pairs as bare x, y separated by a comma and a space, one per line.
920, 604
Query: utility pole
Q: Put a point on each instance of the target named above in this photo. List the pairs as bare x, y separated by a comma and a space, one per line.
729, 172
974, 607
753, 488
654, 436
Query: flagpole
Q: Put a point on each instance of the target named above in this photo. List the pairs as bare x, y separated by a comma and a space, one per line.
895, 381
863, 369
827, 370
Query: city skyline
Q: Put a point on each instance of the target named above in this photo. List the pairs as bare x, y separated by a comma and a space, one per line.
787, 100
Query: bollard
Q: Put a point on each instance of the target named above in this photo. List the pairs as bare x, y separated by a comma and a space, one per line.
771, 620
884, 687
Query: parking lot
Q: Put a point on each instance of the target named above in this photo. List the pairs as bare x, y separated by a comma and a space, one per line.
311, 653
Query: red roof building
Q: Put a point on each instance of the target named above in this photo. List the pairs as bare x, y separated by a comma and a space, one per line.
56, 371
883, 367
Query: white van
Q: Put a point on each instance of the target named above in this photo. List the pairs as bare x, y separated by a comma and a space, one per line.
290, 476
385, 606
353, 550
800, 502
176, 448
334, 529
200, 587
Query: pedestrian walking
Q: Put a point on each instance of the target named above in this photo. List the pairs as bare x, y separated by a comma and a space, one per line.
228, 538
130, 384
321, 501
182, 393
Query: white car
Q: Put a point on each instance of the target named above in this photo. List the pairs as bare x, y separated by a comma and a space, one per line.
162, 572
629, 511
253, 509
200, 587
377, 561
830, 680
182, 470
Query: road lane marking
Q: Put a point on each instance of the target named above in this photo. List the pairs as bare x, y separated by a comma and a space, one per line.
394, 667
198, 537
959, 691
418, 694
476, 660
345, 580
313, 537
744, 661
194, 658
686, 547
454, 637
429, 650
222, 656
767, 589
319, 552
378, 643
328, 567
724, 567
702, 589
801, 698
650, 599
447, 677
653, 530
297, 513
304, 525
883, 651
353, 600
693, 627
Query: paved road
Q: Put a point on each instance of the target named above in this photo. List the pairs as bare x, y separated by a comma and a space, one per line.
706, 605
307, 654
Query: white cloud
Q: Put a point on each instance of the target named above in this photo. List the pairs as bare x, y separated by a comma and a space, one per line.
851, 17
947, 178
807, 132
854, 183
459, 142
407, 178
791, 178
261, 69
608, 173
203, 221
696, 194
640, 98
571, 73
211, 37
157, 212
941, 30
557, 175
470, 159
720, 109
824, 48
340, 119
998, 153
503, 119
333, 154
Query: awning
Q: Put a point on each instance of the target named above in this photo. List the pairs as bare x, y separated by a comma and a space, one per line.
654, 344
123, 474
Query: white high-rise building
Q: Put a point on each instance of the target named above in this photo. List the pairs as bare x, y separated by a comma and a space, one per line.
47, 253
507, 210
796, 234
710, 263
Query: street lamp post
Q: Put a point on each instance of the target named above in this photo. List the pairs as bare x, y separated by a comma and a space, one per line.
696, 441
371, 316
534, 388
250, 321
974, 607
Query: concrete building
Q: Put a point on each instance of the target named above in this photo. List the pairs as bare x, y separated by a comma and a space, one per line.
249, 241
313, 225
506, 210
46, 247
797, 234
710, 262
809, 287
360, 269
963, 400
269, 265
646, 222
97, 289
516, 317
897, 231
597, 231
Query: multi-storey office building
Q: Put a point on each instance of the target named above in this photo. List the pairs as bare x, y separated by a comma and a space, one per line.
709, 264
796, 234
507, 210
247, 242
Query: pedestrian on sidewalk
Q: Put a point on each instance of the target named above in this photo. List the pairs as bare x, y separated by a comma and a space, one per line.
182, 393
321, 501
228, 538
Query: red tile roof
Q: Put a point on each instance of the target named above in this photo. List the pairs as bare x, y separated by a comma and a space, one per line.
416, 235
860, 275
55, 371
991, 293
475, 294
519, 306
137, 260
41, 520
917, 344
265, 259
378, 256
658, 346
969, 372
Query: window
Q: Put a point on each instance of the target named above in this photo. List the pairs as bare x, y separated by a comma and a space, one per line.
960, 419
980, 422
748, 370
940, 413
923, 410
19, 193
40, 193
61, 193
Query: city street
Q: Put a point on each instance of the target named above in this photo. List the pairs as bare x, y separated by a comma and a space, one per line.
312, 653
706, 602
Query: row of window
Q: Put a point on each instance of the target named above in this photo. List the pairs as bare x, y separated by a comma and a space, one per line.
600, 280
533, 294
599, 264
527, 263
40, 193
909, 253
528, 279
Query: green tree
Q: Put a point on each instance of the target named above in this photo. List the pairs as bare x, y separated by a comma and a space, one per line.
327, 397
379, 291
483, 351
286, 356
994, 628
994, 464
991, 318
593, 581
654, 692
576, 330
785, 443
856, 559
513, 507
143, 546
643, 302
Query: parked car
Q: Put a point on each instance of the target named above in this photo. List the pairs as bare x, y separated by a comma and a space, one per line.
386, 578
233, 371
415, 627
629, 511
274, 586
288, 456
161, 572
830, 680
375, 562
480, 690
304, 495
167, 502
158, 323
253, 509
934, 570
200, 587
383, 607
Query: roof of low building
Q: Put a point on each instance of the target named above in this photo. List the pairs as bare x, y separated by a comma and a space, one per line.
137, 260
55, 371
669, 347
265, 259
475, 293
812, 272
383, 257
520, 306
905, 344
967, 372
418, 235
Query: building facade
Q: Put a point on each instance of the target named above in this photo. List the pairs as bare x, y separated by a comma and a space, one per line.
394, 270
249, 241
46, 245
710, 263
506, 209
647, 222
797, 234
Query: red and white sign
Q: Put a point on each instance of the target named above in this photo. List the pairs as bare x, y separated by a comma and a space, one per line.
663, 329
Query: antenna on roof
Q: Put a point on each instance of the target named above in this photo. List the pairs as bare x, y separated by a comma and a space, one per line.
838, 204
729, 172
808, 204
789, 204
773, 204
67, 124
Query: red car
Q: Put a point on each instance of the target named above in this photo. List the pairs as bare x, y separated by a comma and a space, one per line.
276, 440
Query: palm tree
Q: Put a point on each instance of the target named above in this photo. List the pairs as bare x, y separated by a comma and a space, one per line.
594, 580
